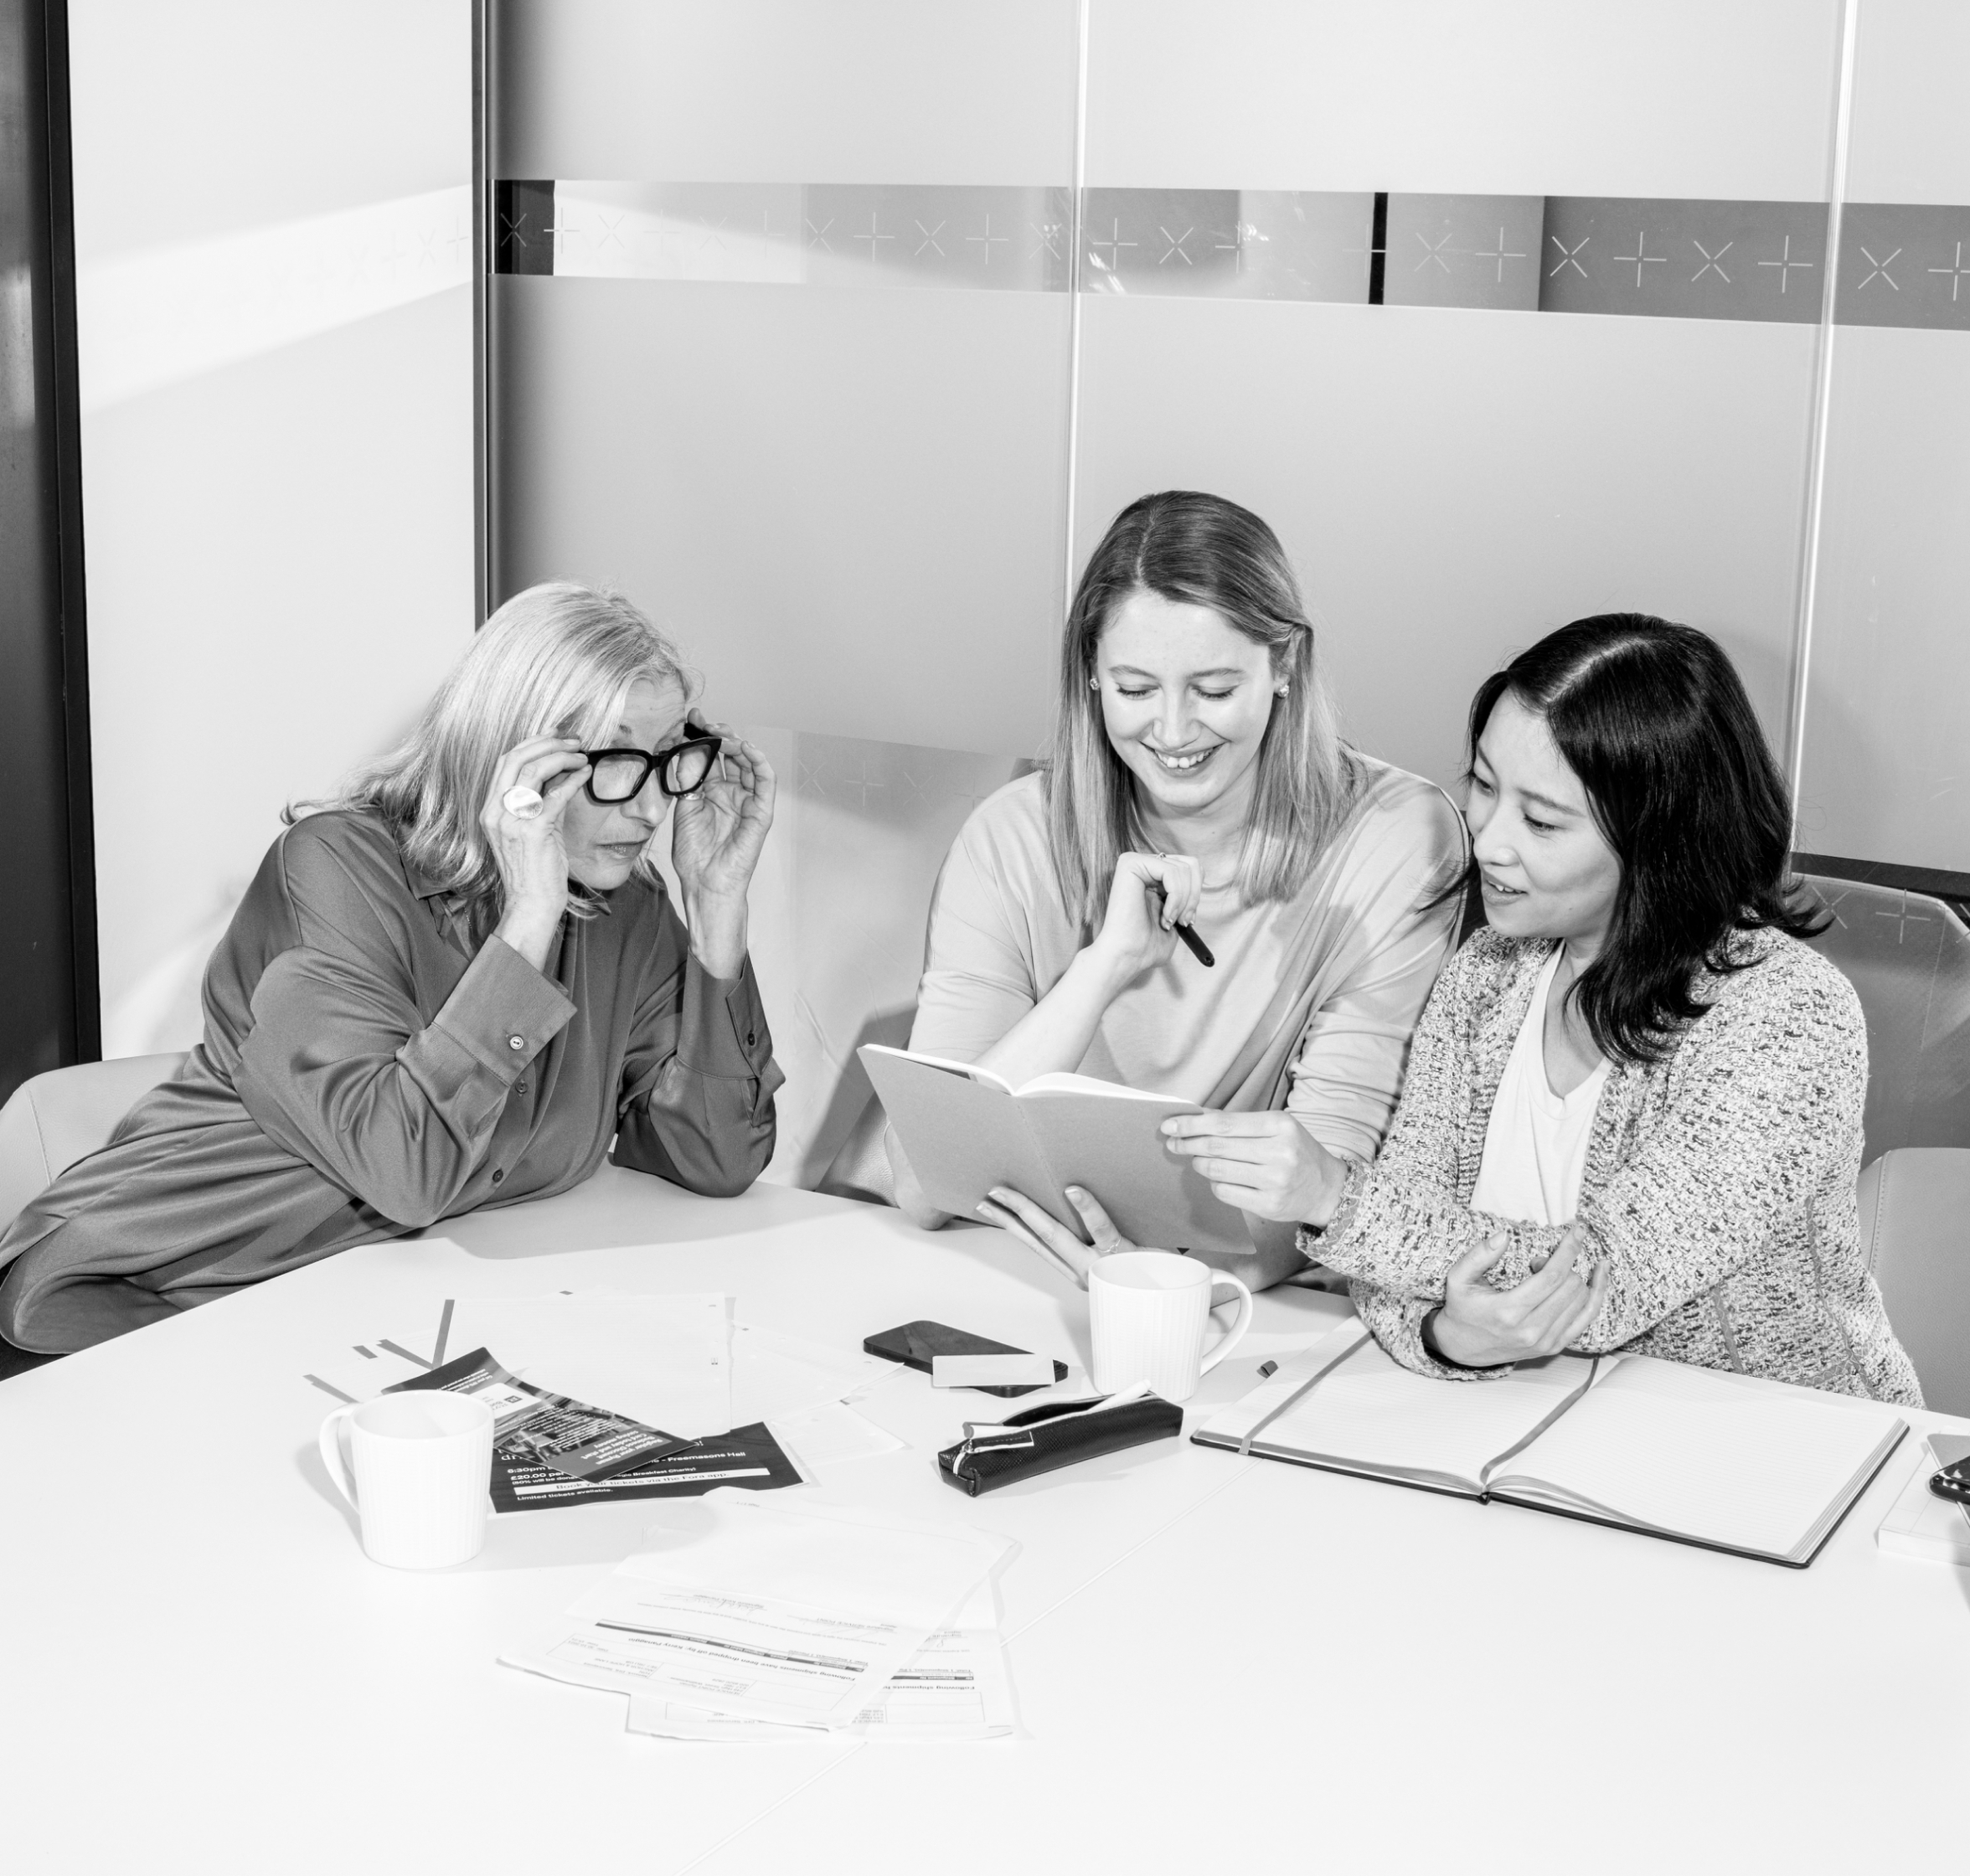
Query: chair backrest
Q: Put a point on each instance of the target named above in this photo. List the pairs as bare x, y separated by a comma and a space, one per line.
1908, 957
56, 1119
1915, 1231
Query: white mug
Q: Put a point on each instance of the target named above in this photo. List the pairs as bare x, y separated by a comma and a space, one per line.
1149, 1309
423, 1465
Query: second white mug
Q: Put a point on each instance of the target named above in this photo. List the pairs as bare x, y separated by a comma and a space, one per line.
422, 1467
1148, 1310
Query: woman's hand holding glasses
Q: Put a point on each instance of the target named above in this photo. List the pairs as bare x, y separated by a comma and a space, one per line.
526, 845
715, 838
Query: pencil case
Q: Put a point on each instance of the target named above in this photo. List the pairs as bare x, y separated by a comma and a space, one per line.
1062, 1433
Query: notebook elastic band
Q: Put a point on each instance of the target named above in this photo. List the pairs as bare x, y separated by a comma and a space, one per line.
1326, 1368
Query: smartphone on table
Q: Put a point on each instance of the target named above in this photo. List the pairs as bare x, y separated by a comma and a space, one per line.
918, 1344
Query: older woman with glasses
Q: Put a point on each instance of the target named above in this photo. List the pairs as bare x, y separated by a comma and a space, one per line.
450, 987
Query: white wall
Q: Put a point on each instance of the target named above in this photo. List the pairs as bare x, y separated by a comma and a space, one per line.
273, 255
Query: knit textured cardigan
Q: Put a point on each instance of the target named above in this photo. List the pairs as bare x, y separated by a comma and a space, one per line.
1719, 1188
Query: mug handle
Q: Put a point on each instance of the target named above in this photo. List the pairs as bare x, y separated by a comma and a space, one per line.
337, 1466
1234, 1335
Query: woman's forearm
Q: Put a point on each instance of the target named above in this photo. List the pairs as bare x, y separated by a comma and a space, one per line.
717, 928
1054, 1035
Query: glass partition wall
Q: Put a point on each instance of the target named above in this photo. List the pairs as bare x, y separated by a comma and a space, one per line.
835, 334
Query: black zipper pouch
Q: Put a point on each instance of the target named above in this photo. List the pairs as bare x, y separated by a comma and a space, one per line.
1042, 1439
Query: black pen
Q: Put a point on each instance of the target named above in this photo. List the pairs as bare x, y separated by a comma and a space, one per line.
1195, 945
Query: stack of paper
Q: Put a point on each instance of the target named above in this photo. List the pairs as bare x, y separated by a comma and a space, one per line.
743, 1616
955, 1688
1919, 1523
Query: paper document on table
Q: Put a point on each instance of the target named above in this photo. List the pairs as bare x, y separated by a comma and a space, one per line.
1919, 1523
798, 1614
664, 1360
774, 1375
833, 1434
954, 1688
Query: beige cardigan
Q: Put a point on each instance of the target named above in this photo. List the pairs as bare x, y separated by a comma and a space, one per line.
1719, 1186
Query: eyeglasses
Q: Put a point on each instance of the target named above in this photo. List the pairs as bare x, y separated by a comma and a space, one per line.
618, 774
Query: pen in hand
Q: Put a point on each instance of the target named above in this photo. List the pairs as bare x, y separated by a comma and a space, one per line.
1192, 943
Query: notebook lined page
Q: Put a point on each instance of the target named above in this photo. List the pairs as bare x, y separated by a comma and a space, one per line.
1704, 1454
1373, 1412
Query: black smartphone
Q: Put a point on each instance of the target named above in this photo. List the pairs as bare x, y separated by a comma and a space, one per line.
1953, 1481
915, 1344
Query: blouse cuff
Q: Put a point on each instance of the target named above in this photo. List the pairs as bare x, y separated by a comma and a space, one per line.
723, 1032
503, 1012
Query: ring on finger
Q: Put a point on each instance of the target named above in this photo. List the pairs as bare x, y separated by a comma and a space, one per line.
522, 802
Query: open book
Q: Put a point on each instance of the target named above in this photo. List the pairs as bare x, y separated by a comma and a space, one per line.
966, 1131
1725, 1461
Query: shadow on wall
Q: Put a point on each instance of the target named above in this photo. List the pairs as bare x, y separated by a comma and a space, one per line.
1908, 955
164, 1010
862, 829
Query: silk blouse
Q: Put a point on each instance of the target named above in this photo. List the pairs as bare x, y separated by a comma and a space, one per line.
366, 1070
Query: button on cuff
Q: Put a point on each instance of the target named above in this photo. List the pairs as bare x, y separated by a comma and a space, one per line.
516, 1044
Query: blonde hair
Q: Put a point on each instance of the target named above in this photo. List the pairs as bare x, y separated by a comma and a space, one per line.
1198, 550
557, 660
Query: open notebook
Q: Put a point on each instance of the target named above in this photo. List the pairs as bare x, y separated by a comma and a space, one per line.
965, 1131
1725, 1461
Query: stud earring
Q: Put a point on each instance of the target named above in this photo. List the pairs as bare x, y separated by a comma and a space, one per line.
1094, 683
1280, 690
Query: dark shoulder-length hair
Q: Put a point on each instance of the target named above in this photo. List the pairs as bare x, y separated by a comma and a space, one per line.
1653, 719
1198, 550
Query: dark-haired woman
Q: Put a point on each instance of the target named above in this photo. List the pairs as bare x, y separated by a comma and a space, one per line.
1198, 778
1632, 1114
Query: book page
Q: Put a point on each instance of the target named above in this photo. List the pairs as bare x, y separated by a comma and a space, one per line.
1720, 1457
1112, 1146
1370, 1412
962, 1137
1060, 1082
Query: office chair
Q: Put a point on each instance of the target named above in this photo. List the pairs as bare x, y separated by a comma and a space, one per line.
1915, 1231
56, 1119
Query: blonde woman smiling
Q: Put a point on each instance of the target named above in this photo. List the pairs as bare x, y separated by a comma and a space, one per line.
451, 988
1198, 778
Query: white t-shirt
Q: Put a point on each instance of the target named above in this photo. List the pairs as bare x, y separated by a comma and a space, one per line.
1535, 1144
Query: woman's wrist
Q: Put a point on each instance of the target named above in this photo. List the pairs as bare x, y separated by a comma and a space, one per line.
529, 930
718, 930
1433, 1347
1100, 971
1330, 1182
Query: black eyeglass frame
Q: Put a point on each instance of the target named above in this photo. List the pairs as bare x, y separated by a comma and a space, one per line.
695, 739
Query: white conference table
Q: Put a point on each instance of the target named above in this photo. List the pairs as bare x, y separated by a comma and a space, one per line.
1219, 1663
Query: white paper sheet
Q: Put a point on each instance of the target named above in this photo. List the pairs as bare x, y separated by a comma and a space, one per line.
664, 1360
820, 1439
774, 1375
954, 1688
766, 1610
